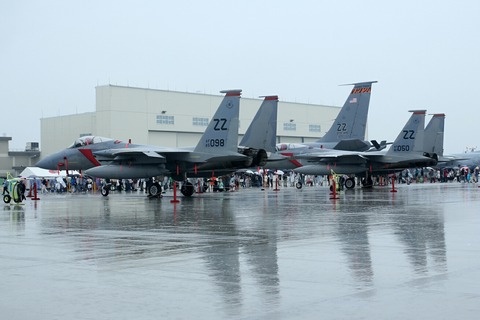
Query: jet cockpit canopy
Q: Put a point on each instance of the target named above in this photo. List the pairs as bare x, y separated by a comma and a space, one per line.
88, 140
289, 146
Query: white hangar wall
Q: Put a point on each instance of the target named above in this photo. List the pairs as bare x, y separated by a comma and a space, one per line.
59, 132
172, 118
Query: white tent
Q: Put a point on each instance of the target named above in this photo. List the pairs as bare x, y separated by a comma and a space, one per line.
36, 172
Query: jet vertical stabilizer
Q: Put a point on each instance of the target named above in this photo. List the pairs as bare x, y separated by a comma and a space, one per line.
263, 136
351, 122
221, 135
410, 139
434, 134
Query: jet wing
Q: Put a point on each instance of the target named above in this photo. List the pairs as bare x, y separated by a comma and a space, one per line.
224, 156
275, 156
137, 154
352, 145
412, 159
143, 155
350, 157
452, 158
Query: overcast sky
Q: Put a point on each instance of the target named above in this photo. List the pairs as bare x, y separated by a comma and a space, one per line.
424, 55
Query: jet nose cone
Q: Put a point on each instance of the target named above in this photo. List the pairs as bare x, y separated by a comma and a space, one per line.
43, 163
49, 163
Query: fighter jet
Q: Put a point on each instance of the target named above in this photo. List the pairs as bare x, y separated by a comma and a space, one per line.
457, 160
346, 133
216, 150
468, 159
407, 151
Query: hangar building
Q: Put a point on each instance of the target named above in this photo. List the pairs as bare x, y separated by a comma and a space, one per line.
174, 119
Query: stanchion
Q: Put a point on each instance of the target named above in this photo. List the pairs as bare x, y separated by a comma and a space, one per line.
393, 184
175, 200
35, 192
263, 181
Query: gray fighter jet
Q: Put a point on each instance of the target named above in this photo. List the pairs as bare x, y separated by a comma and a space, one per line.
407, 151
346, 133
216, 150
455, 160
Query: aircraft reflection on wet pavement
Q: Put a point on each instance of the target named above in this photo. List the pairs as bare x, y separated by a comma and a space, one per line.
246, 253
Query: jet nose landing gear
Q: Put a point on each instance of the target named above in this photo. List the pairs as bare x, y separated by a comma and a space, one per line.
187, 189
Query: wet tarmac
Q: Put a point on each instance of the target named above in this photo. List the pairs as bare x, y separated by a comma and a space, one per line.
252, 254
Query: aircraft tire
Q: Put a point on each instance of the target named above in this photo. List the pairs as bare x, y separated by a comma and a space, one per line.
7, 198
155, 190
298, 185
105, 191
350, 183
187, 189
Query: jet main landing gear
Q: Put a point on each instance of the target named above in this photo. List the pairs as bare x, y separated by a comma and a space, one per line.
350, 183
155, 190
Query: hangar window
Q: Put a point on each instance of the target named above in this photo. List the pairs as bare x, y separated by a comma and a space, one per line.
289, 126
197, 121
314, 128
165, 119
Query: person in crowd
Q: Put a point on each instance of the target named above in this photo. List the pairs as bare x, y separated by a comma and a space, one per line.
5, 187
44, 185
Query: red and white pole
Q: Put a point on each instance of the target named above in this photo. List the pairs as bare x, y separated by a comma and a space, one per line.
393, 184
334, 191
35, 192
174, 200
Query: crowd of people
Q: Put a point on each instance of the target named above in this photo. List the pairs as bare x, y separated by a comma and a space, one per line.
236, 181
421, 175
